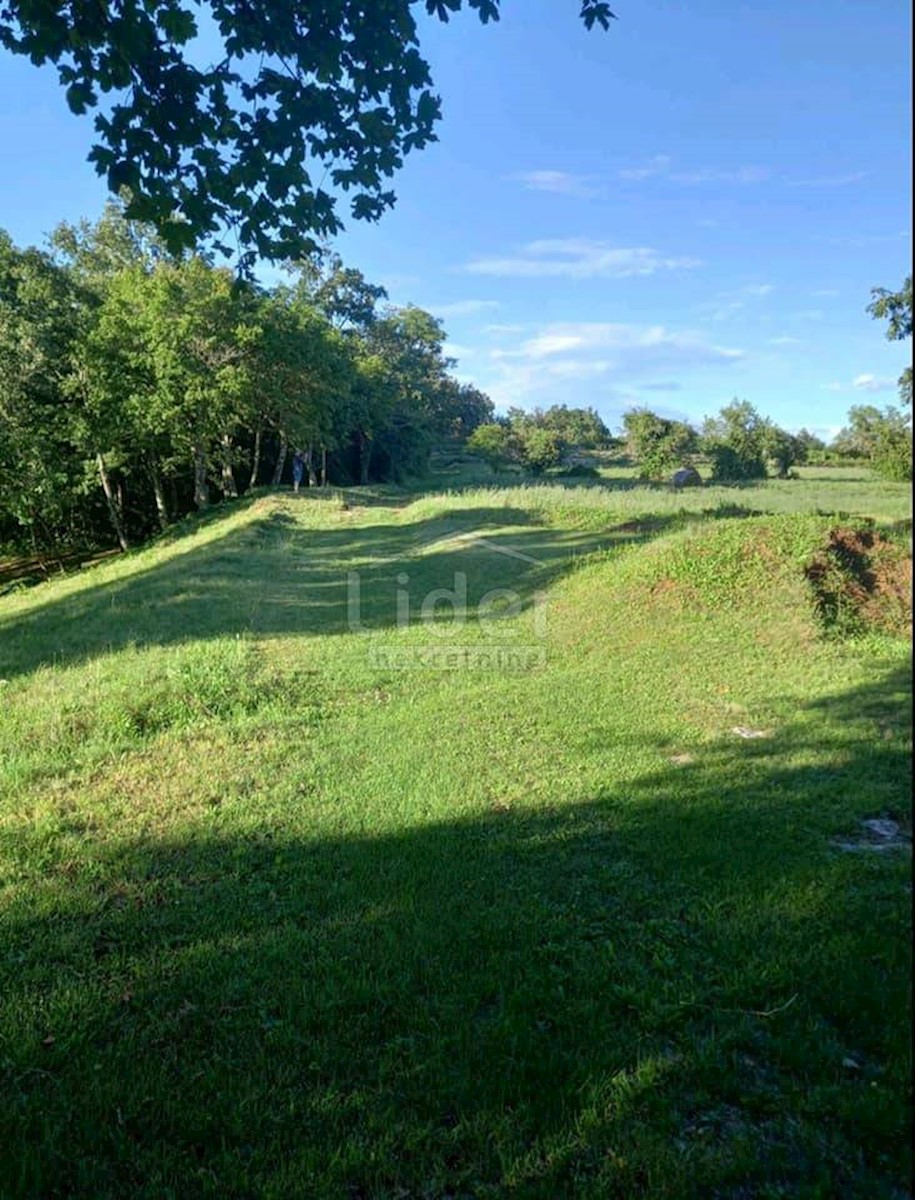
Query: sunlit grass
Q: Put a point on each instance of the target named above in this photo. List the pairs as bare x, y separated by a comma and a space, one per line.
281, 919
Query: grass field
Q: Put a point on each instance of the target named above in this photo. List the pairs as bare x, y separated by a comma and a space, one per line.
302, 894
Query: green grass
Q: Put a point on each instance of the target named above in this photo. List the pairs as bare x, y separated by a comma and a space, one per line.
282, 917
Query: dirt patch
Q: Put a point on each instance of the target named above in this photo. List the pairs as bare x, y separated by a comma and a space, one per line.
862, 580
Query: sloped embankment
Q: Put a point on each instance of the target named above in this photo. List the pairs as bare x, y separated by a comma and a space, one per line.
852, 579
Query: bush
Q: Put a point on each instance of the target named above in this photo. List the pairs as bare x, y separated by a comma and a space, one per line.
733, 465
892, 457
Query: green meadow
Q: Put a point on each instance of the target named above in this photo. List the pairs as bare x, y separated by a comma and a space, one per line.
473, 841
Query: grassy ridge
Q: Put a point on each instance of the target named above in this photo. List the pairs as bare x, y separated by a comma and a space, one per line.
280, 918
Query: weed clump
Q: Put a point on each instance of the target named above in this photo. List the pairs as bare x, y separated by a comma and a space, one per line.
861, 581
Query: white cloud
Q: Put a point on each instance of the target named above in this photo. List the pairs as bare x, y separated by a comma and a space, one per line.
760, 289
829, 180
660, 167
660, 385
659, 164
463, 308
579, 258
723, 312
741, 175
872, 383
500, 330
560, 183
612, 357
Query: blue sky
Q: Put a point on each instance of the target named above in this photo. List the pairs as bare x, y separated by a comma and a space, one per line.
691, 207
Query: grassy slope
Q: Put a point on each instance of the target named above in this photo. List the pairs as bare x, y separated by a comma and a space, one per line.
280, 920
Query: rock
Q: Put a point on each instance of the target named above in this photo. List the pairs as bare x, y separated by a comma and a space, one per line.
686, 477
744, 732
881, 828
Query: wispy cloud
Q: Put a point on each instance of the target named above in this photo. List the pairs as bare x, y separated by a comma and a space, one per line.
463, 308
829, 292
455, 350
579, 258
759, 289
661, 167
829, 180
660, 385
859, 241
619, 337
862, 383
659, 164
612, 357
786, 341
741, 175
560, 183
873, 383
502, 330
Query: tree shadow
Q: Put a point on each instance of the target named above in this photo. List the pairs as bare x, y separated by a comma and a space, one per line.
651, 992
275, 577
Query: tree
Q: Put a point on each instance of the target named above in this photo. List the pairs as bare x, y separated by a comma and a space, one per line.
539, 448
781, 449
41, 477
896, 309
735, 441
239, 149
810, 443
493, 442
881, 437
657, 444
578, 427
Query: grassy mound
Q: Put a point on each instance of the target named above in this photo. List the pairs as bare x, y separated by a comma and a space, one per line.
286, 910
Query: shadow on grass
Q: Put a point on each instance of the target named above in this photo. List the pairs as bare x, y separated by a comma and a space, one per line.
655, 993
276, 577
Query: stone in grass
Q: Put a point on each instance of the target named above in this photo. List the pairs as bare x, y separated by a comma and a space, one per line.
686, 477
745, 732
681, 760
881, 827
879, 833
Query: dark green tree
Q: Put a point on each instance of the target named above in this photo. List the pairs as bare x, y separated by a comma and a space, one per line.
735, 441
657, 444
896, 309
239, 150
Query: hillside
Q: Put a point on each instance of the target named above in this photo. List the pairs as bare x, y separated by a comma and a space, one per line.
304, 895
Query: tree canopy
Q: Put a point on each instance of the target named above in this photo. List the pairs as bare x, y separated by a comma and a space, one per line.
896, 309
237, 151
135, 385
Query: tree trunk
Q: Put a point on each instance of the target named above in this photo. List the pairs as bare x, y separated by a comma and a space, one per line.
256, 459
280, 460
113, 510
310, 467
365, 457
229, 489
159, 493
201, 488
323, 466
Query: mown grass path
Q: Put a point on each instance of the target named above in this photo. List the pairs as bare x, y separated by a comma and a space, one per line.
280, 918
